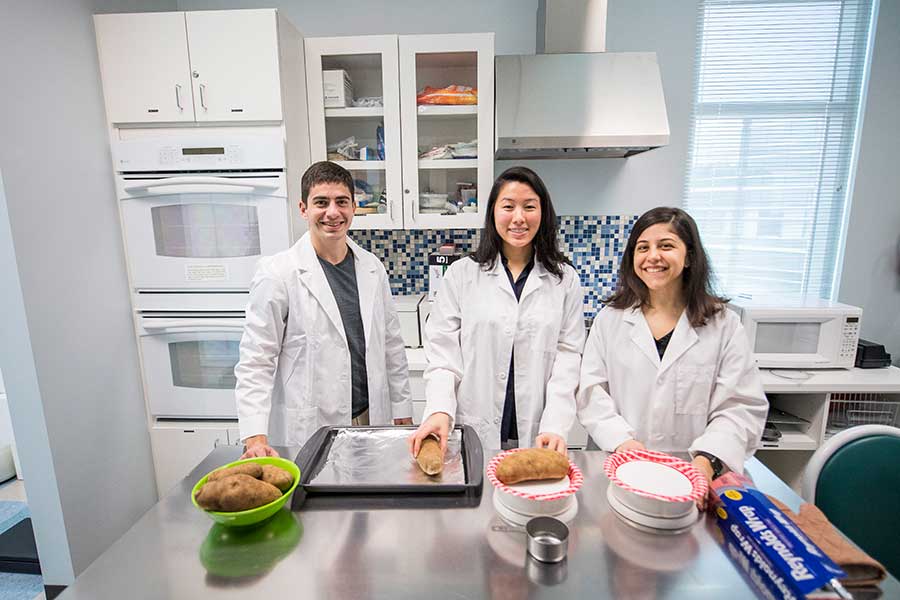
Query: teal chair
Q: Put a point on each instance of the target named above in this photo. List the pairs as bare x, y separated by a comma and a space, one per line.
854, 478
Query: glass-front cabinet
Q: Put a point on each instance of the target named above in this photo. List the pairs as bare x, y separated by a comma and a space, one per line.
354, 120
411, 117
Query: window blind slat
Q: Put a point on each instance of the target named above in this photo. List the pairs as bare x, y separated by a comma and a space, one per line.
776, 101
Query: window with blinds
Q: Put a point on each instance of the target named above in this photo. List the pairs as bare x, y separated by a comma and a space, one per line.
773, 140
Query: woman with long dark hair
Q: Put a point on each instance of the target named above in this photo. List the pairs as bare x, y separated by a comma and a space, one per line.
504, 338
666, 365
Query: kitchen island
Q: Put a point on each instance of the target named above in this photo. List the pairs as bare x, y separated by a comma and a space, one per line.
175, 551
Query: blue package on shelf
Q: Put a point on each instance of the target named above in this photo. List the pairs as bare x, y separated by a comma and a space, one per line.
379, 141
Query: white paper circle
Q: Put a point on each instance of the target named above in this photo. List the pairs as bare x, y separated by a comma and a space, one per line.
654, 478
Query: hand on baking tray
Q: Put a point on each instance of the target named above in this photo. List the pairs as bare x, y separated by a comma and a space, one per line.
437, 424
702, 464
551, 441
257, 445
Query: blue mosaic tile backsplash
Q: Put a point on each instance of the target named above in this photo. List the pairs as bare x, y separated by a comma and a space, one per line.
594, 244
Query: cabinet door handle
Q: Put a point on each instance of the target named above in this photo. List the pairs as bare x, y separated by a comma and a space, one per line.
203, 96
178, 97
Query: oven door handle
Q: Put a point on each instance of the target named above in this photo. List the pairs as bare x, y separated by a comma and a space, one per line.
173, 181
184, 326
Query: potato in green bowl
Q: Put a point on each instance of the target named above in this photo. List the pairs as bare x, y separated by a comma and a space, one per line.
253, 515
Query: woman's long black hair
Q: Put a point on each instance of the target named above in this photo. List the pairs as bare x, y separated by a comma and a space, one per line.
545, 244
700, 301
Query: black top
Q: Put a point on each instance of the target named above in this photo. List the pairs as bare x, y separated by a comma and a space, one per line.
508, 428
342, 280
663, 342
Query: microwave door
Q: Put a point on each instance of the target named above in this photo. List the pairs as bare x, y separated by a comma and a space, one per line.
200, 235
189, 366
788, 342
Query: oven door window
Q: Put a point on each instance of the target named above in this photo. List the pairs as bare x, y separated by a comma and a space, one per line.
206, 230
207, 364
787, 338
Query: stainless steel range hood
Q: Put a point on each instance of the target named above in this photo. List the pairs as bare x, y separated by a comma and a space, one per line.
577, 104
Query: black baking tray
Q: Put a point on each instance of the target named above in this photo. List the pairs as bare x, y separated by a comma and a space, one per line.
313, 454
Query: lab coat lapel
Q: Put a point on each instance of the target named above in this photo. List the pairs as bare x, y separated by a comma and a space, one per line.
313, 277
366, 284
683, 338
501, 278
535, 280
641, 335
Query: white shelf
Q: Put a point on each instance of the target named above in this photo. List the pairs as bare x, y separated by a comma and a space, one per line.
791, 440
448, 163
361, 165
355, 112
445, 111
885, 380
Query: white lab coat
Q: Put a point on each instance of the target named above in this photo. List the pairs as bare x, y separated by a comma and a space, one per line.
470, 335
294, 370
706, 393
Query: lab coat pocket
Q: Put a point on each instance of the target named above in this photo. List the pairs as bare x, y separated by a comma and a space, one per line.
693, 387
302, 423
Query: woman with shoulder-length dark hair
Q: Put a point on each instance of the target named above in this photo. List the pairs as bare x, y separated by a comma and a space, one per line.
505, 335
666, 366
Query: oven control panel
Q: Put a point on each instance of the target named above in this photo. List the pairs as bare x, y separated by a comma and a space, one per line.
200, 153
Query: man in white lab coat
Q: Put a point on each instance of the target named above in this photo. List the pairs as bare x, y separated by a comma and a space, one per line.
322, 342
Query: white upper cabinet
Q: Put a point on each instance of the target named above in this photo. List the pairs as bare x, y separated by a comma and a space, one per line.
195, 66
443, 193
371, 67
145, 67
234, 65
384, 134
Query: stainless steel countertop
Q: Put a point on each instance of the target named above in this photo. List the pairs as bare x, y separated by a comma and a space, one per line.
394, 553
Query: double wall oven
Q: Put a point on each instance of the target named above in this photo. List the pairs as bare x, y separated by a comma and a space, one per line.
199, 208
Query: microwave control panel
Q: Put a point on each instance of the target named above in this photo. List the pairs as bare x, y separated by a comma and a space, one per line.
849, 339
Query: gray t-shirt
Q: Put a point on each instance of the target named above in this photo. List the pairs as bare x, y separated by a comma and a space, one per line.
342, 280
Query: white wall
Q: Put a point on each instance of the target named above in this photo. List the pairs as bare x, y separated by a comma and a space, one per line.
871, 273
68, 349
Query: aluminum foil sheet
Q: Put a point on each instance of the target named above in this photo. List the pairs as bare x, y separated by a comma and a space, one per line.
380, 456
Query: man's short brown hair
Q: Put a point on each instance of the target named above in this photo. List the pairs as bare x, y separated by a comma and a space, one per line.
325, 172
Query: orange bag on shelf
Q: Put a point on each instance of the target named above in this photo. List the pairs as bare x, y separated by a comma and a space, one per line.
452, 94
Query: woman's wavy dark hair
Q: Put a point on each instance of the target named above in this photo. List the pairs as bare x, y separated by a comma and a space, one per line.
701, 302
546, 247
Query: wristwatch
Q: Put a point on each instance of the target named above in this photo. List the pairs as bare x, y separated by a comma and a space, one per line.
717, 465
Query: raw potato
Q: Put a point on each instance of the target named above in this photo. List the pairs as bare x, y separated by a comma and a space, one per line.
430, 459
236, 493
277, 477
531, 464
252, 469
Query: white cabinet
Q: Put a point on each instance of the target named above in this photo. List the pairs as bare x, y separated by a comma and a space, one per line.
179, 446
195, 66
438, 61
417, 193
371, 62
145, 67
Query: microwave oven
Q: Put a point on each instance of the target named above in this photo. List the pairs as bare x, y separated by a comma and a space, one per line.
800, 333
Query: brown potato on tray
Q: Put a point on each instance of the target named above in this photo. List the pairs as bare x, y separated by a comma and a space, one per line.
532, 464
236, 493
430, 459
254, 470
277, 477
